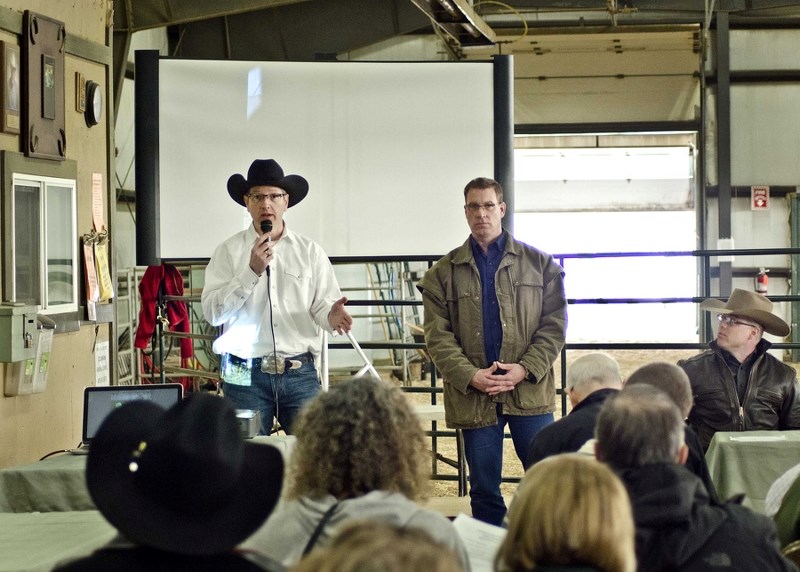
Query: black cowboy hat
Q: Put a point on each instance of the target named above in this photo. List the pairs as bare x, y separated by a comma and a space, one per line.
182, 480
267, 172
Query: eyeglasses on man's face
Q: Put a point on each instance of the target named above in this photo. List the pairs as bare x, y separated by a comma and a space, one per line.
476, 207
730, 321
271, 197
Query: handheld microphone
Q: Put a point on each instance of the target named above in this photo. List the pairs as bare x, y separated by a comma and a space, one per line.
266, 228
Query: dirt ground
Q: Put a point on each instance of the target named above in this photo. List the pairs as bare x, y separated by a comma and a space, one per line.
629, 361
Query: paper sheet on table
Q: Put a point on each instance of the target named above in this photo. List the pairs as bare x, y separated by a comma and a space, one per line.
759, 438
481, 541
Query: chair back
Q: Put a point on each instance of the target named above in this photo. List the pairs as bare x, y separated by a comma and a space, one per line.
787, 519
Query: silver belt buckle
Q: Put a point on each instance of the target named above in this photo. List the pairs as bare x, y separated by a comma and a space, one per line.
271, 365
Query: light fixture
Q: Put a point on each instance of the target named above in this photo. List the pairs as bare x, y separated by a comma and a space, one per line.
459, 21
447, 5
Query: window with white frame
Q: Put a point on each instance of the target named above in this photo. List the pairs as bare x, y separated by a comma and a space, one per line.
45, 250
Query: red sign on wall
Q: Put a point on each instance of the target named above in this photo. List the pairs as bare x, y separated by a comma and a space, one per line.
759, 198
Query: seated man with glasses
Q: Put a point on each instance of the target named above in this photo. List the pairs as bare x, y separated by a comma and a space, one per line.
272, 291
737, 385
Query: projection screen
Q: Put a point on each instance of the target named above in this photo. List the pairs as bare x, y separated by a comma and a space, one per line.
386, 147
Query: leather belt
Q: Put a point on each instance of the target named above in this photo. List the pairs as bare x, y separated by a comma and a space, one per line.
269, 364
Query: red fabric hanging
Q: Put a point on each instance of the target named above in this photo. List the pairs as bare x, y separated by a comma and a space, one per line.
177, 312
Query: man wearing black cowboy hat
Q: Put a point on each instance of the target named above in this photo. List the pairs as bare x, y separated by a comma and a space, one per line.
737, 385
272, 291
182, 488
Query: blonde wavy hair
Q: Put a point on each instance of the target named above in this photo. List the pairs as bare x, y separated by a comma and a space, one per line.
360, 436
569, 510
372, 546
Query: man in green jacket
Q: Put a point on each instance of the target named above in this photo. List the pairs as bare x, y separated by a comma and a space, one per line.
495, 321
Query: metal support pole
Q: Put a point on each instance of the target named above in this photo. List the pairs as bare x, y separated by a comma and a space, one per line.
504, 132
723, 73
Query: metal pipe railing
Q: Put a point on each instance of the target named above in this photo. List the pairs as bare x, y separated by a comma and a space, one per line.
706, 274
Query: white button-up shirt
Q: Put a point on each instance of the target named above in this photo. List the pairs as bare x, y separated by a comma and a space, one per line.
293, 302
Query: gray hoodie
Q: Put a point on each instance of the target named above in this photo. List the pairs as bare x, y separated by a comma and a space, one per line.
287, 531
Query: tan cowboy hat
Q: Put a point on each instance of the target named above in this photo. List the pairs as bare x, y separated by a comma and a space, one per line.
749, 305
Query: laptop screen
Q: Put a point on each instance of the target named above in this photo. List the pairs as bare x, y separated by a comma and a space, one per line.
98, 402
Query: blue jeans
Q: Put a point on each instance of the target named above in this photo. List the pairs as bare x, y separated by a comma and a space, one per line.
275, 395
483, 449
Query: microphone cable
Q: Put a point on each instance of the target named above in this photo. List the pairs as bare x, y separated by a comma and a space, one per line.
274, 351
266, 228
56, 452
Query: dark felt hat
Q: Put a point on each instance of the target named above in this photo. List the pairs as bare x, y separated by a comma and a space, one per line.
267, 172
182, 480
749, 305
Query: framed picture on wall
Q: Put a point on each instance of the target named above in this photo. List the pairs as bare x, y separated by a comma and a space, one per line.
80, 92
44, 135
10, 88
48, 87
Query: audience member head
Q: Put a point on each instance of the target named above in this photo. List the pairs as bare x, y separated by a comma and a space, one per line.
591, 372
669, 378
360, 436
368, 546
182, 480
639, 426
569, 510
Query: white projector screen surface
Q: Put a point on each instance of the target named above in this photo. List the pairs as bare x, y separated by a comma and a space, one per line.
386, 147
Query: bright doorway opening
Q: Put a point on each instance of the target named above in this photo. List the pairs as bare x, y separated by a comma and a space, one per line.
615, 199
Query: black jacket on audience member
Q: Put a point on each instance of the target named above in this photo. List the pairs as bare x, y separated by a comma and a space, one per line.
678, 528
696, 462
569, 433
771, 401
145, 559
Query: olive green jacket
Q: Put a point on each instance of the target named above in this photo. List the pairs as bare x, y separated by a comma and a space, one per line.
533, 313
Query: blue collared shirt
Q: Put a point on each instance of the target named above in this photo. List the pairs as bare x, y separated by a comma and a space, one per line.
487, 268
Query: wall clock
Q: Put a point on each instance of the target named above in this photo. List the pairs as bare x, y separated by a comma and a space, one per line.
94, 103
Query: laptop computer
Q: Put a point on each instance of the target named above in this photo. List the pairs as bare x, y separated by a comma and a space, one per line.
98, 402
